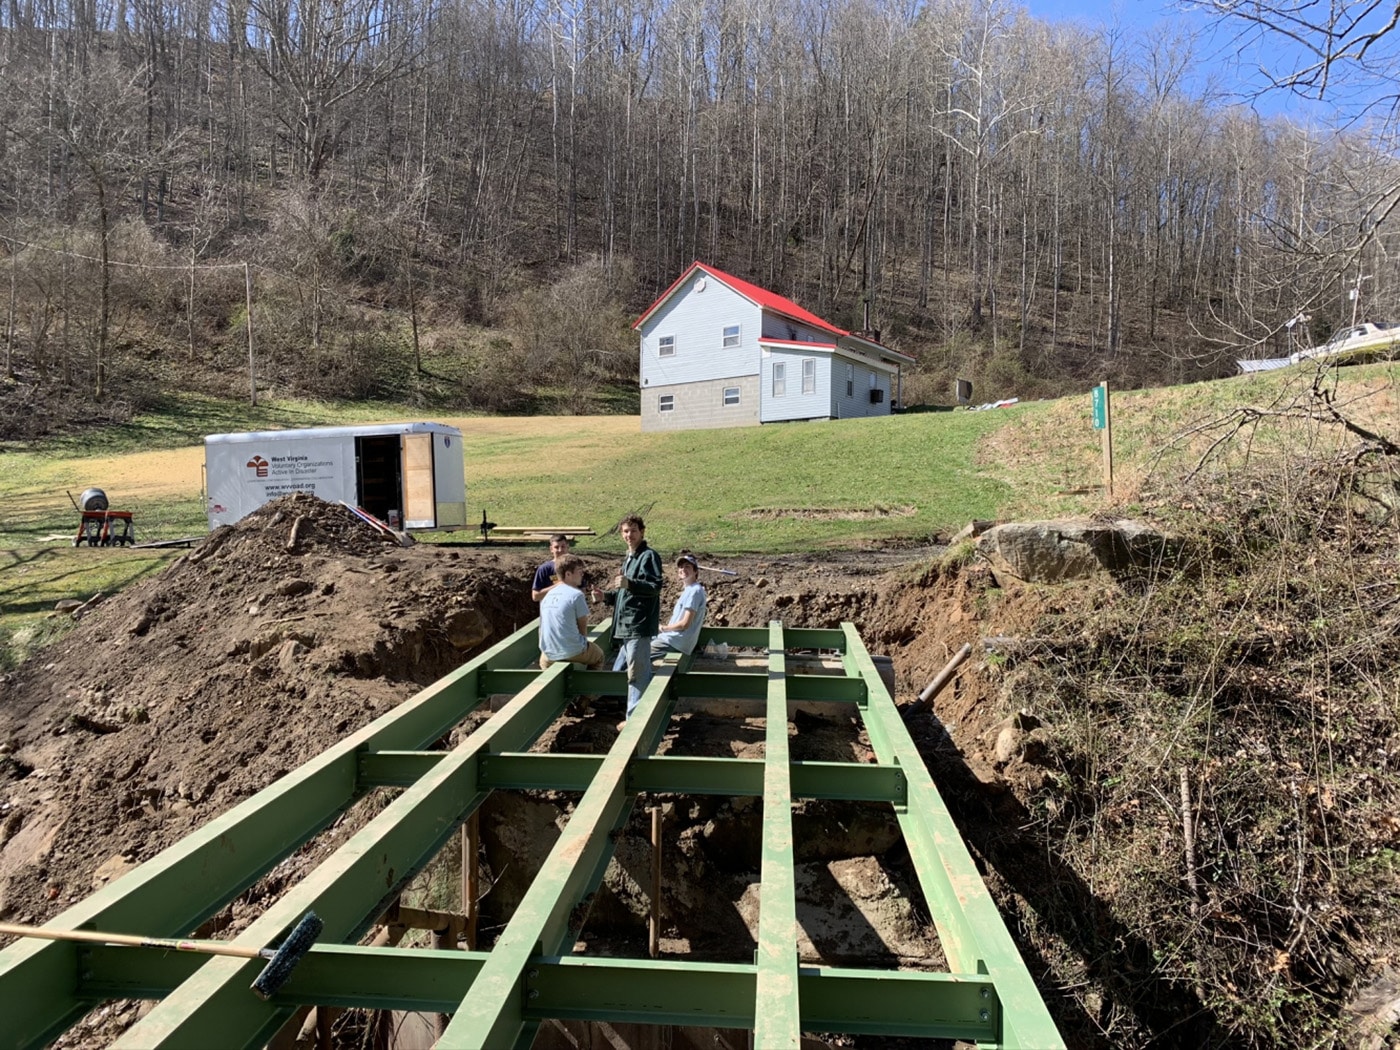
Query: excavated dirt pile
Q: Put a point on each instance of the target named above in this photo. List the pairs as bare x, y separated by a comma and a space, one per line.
185, 694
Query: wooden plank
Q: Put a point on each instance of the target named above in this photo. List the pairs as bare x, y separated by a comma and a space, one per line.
544, 530
418, 505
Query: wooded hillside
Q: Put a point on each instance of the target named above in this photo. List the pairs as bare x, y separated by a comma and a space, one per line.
470, 201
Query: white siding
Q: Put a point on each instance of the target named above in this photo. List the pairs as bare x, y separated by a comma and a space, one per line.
794, 404
778, 327
701, 366
858, 405
697, 320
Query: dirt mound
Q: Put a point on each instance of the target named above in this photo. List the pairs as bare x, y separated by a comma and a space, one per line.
193, 690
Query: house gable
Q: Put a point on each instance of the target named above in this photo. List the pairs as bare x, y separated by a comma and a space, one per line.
706, 332
769, 302
710, 343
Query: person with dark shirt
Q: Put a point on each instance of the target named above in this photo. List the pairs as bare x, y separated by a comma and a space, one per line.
635, 595
544, 575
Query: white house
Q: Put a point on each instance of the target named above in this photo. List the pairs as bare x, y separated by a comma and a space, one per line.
717, 351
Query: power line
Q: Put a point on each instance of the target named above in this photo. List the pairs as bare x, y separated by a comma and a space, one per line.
16, 245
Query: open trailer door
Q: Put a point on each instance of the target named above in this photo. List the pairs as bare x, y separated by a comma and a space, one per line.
418, 505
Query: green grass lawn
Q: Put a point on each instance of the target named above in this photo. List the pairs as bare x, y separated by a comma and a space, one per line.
791, 487
798, 486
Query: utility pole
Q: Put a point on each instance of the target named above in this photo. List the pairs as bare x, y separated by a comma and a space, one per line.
248, 304
1356, 294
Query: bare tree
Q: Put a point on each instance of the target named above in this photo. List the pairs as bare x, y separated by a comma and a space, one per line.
1324, 51
322, 58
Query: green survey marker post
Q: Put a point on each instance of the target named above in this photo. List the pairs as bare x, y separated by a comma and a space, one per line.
1103, 422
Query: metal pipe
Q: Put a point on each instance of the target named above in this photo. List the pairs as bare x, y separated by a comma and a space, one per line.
943, 678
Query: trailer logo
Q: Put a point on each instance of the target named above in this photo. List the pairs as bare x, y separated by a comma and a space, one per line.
258, 465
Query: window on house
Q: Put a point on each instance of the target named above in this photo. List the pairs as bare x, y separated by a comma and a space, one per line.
666, 346
731, 336
779, 378
809, 375
666, 403
850, 380
731, 395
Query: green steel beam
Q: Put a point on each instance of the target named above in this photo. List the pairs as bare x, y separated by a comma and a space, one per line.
348, 889
185, 884
849, 782
666, 774
491, 1014
777, 1010
894, 1003
507, 681
757, 637
974, 937
577, 988
709, 685
738, 685
653, 775
501, 997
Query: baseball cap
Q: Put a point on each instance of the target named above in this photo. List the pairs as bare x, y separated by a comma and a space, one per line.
688, 559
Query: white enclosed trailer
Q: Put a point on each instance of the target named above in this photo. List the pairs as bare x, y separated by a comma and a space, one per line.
410, 471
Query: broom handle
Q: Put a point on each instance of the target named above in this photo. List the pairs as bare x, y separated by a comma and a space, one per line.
94, 937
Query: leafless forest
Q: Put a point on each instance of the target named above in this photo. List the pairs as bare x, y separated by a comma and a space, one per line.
502, 184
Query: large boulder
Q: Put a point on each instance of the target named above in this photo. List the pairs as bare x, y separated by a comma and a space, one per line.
1055, 551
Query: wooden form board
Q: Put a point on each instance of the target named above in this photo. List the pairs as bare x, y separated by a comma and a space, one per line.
418, 502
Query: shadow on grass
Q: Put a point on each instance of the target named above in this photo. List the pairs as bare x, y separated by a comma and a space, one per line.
1114, 957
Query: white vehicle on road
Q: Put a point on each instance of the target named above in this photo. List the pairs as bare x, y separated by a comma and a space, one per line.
1370, 341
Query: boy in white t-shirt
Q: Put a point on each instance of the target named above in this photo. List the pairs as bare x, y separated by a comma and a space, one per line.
680, 634
564, 619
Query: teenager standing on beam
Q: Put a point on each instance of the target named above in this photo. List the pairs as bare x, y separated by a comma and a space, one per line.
635, 595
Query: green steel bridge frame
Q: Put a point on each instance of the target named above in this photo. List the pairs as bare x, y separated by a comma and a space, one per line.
499, 998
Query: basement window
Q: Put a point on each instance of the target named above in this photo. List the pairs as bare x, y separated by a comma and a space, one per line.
666, 403
731, 395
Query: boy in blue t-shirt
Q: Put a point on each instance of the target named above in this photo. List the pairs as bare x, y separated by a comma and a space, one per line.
681, 633
564, 619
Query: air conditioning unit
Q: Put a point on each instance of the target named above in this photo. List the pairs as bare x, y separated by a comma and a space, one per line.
876, 396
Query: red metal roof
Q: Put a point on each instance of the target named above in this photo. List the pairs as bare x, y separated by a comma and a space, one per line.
761, 296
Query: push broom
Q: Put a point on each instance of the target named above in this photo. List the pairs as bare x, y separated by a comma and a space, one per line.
281, 960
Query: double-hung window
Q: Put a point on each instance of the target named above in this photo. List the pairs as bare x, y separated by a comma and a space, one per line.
779, 378
666, 346
850, 380
731, 337
731, 395
809, 375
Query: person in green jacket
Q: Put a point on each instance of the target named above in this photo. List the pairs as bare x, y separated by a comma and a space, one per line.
635, 595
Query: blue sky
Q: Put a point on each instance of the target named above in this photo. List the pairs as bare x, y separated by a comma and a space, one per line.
1222, 51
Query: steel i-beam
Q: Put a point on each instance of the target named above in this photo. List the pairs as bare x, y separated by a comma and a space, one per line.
499, 998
